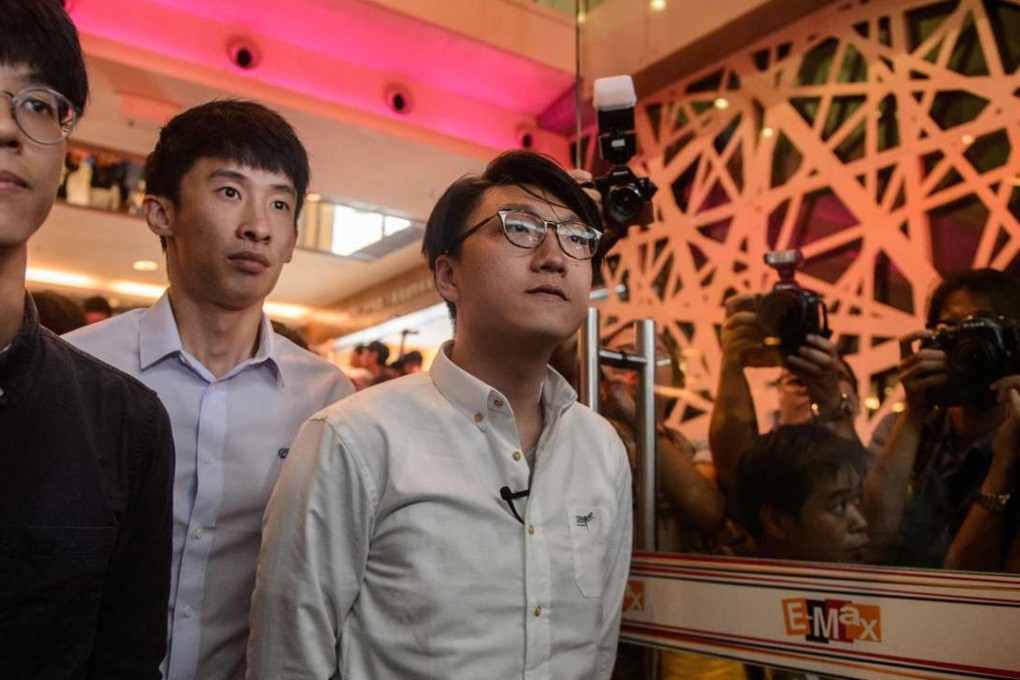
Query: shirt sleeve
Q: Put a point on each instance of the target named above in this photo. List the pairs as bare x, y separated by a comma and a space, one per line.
131, 633
315, 540
618, 571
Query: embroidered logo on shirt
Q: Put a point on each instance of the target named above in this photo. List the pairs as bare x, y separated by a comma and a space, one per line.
282, 453
584, 520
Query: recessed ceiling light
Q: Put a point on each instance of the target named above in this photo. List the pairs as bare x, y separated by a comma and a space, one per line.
721, 103
967, 140
145, 265
767, 132
657, 5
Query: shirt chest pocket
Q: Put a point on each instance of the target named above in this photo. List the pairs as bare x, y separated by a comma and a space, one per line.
589, 531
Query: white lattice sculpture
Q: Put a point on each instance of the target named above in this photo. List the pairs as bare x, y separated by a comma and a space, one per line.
879, 137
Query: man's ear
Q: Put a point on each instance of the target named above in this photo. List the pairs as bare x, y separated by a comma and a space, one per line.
775, 523
160, 215
447, 281
293, 244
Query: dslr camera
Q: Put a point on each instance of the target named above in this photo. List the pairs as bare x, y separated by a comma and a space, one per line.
980, 349
624, 194
791, 312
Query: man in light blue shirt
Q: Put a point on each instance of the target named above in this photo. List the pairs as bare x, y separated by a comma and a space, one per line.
226, 182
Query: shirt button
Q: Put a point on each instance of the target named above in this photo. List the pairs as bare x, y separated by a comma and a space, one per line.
531, 528
497, 402
209, 460
199, 533
479, 417
517, 455
538, 610
187, 611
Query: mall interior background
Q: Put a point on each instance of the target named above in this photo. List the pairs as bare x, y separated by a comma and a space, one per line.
878, 136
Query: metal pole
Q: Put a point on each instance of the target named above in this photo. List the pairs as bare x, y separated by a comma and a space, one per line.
588, 351
644, 333
643, 361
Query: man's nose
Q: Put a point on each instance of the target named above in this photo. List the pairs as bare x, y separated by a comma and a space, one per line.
549, 256
255, 226
10, 133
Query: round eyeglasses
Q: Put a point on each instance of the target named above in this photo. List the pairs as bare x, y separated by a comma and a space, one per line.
527, 230
45, 116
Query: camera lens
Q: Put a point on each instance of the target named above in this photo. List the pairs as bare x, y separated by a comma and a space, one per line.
978, 359
781, 314
623, 204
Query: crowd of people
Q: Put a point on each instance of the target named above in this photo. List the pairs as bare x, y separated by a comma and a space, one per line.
368, 364
186, 493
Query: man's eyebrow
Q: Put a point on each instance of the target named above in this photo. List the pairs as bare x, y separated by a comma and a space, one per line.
524, 207
234, 175
34, 79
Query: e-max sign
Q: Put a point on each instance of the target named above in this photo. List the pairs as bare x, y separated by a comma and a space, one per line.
832, 620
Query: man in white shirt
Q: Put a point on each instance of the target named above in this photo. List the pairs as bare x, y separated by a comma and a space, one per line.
226, 182
475, 521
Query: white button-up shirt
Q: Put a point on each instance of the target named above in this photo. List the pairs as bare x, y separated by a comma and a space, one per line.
231, 435
388, 552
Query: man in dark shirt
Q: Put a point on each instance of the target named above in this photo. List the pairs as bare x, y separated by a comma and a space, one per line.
86, 452
934, 463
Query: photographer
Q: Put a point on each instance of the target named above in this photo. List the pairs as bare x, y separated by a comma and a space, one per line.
939, 453
816, 365
690, 507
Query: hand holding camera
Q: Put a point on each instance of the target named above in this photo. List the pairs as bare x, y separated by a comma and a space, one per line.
964, 363
921, 370
765, 330
625, 196
742, 339
980, 350
816, 363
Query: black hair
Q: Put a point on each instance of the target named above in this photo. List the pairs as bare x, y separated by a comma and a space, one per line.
97, 303
291, 334
58, 312
381, 350
1001, 290
780, 468
512, 168
39, 34
413, 357
245, 132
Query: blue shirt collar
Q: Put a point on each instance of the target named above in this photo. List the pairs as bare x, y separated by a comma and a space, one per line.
158, 338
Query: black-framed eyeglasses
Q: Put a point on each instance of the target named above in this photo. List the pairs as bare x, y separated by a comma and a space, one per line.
527, 230
44, 115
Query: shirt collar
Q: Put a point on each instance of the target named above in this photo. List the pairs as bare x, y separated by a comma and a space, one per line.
475, 399
158, 338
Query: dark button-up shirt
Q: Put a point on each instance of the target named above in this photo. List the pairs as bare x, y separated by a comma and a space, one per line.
942, 490
86, 475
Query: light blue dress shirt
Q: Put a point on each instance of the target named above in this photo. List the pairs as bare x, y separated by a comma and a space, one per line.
232, 435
